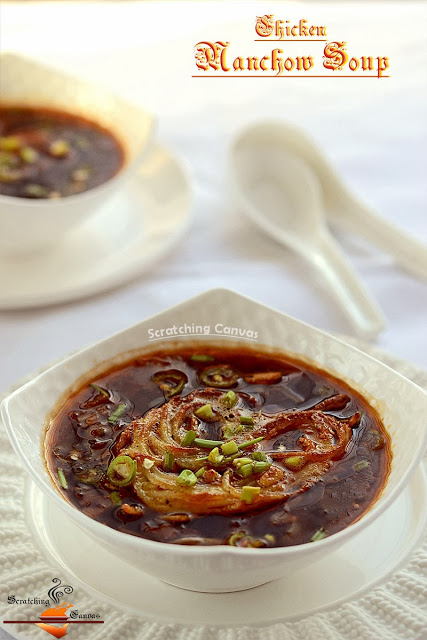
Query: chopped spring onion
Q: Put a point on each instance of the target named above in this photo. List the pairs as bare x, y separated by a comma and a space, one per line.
9, 143
202, 357
62, 479
249, 493
249, 443
115, 498
247, 420
187, 478
122, 471
28, 154
207, 444
117, 413
215, 457
188, 439
59, 148
205, 412
99, 389
245, 470
260, 467
229, 399
230, 430
319, 535
36, 190
168, 461
200, 472
259, 456
238, 462
229, 448
360, 465
270, 538
294, 463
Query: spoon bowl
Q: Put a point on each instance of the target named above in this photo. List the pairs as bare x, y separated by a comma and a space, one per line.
280, 193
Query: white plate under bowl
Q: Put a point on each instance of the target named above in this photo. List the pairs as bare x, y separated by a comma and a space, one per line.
139, 225
356, 566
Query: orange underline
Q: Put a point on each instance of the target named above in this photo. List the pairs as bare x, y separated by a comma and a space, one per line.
287, 76
290, 40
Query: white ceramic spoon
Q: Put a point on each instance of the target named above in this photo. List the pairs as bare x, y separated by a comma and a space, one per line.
342, 208
280, 193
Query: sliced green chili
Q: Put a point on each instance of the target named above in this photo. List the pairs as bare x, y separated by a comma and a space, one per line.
90, 476
122, 471
221, 377
171, 382
119, 411
62, 479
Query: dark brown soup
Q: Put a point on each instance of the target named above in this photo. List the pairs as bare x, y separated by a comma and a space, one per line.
219, 446
51, 154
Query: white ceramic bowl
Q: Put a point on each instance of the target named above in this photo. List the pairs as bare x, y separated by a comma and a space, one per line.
401, 404
30, 225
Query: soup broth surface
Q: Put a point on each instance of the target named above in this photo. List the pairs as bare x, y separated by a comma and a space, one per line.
51, 154
214, 445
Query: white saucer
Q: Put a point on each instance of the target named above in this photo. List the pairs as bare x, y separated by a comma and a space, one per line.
345, 574
138, 226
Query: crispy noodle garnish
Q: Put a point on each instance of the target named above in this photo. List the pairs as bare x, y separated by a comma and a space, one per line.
324, 439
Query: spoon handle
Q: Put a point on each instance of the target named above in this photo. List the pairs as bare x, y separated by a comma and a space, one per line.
344, 285
409, 252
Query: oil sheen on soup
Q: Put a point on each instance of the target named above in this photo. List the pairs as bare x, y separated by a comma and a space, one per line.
209, 446
52, 154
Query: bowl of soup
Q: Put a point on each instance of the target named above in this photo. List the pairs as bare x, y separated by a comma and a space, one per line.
65, 148
219, 444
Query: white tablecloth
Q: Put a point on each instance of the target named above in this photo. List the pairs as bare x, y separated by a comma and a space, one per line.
374, 132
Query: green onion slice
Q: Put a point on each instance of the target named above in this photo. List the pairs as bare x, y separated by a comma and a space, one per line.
205, 412
319, 535
207, 444
62, 479
249, 443
229, 448
202, 357
168, 461
187, 478
117, 413
247, 420
249, 493
360, 465
230, 399
100, 390
122, 471
188, 439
